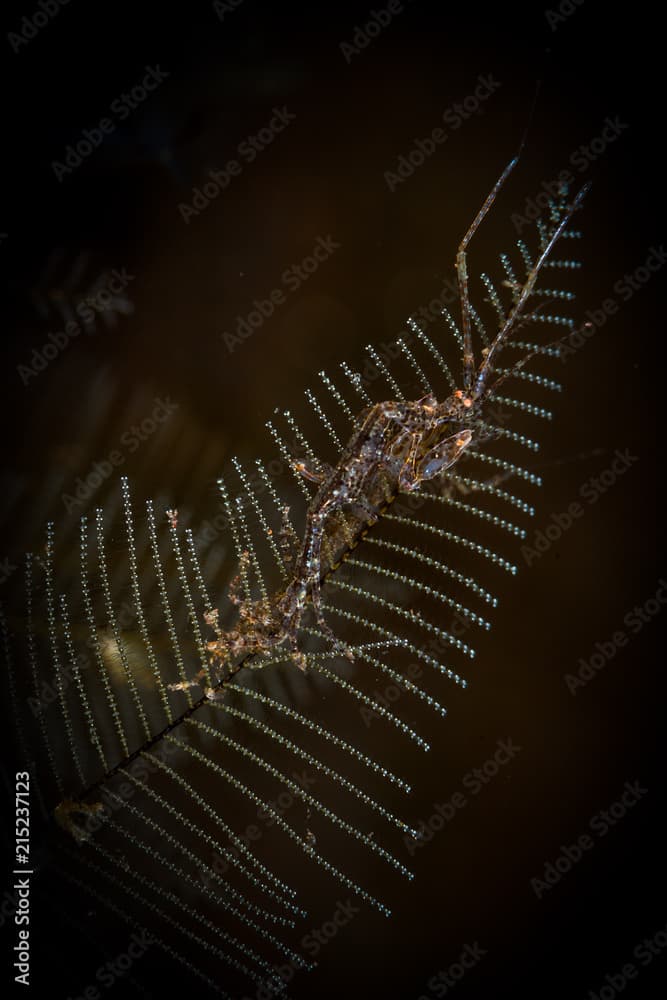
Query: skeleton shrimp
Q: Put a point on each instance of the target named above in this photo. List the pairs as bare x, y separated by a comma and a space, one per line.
395, 446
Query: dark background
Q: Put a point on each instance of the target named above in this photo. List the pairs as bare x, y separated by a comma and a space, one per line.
324, 175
